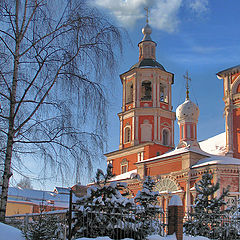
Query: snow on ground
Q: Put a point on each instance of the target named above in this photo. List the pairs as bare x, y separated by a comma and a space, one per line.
10, 233
153, 237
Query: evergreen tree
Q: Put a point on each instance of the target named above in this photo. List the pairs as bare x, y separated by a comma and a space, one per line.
105, 211
205, 219
44, 227
147, 199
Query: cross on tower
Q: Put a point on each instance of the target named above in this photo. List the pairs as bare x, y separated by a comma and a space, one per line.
147, 12
187, 84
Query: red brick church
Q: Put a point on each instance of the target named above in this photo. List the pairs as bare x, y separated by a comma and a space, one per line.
147, 133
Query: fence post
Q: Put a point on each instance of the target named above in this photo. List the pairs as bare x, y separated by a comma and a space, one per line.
175, 217
70, 216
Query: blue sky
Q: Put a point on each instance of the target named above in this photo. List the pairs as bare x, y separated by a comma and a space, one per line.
200, 36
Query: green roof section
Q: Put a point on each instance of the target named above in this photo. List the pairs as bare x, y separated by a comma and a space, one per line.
148, 62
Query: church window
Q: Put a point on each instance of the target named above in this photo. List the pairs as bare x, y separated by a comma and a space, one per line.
127, 132
146, 90
163, 93
129, 93
166, 184
152, 51
165, 136
124, 166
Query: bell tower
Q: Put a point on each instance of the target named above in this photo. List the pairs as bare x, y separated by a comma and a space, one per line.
146, 119
231, 98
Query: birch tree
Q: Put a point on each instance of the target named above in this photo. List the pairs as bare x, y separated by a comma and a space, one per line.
53, 58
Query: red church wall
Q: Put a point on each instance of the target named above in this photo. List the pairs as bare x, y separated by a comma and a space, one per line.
236, 130
153, 150
231, 181
157, 168
131, 158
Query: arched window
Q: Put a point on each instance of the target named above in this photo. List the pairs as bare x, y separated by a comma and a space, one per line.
129, 93
124, 166
146, 90
127, 135
165, 135
163, 93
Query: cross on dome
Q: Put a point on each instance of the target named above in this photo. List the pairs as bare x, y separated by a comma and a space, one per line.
187, 84
147, 12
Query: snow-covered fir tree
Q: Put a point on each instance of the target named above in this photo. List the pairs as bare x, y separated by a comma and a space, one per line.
44, 227
104, 211
205, 220
147, 199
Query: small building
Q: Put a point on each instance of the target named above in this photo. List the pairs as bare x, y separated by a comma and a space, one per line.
22, 201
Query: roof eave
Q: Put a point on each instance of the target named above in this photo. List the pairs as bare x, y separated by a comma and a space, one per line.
228, 71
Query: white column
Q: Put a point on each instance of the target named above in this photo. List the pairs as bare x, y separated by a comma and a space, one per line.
159, 127
158, 87
138, 87
133, 130
136, 129
121, 136
124, 94
169, 94
155, 127
134, 92
154, 90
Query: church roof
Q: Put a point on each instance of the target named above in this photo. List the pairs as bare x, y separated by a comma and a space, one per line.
228, 71
215, 145
123, 176
178, 151
220, 160
148, 62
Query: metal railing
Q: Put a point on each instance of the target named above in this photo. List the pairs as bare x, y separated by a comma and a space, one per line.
213, 225
118, 223
23, 221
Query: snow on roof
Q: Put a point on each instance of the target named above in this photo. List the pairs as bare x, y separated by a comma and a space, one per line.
178, 151
222, 160
38, 196
10, 233
61, 190
123, 176
212, 146
215, 145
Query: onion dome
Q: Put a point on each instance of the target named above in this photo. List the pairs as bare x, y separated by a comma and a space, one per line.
147, 30
187, 111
